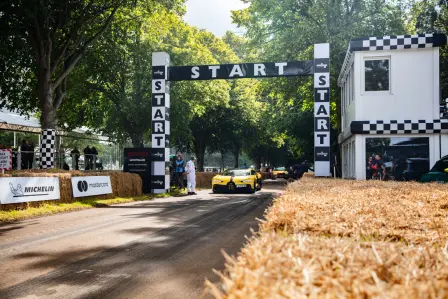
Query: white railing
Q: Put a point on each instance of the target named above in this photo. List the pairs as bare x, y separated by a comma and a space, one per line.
31, 160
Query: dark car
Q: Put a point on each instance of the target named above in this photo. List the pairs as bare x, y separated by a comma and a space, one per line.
415, 168
439, 173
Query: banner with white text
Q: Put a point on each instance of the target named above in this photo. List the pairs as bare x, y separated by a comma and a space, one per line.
83, 186
5, 159
243, 70
17, 190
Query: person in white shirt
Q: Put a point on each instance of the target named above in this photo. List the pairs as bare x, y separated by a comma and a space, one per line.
191, 176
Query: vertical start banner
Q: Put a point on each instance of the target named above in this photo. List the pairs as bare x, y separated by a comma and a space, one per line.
160, 128
322, 110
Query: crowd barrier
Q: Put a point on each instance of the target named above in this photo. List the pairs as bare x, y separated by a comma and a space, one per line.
31, 160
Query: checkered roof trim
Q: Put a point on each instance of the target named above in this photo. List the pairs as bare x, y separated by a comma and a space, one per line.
400, 127
393, 42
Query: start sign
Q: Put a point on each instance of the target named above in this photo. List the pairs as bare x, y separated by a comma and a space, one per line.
163, 74
5, 159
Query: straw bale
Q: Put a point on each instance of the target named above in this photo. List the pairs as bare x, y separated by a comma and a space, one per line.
204, 179
365, 210
346, 239
123, 185
302, 266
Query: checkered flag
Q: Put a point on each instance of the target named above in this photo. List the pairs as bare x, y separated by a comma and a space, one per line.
47, 148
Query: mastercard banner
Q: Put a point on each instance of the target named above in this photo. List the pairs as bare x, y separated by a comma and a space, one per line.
91, 185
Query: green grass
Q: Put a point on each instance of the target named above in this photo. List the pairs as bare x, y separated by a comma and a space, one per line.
55, 208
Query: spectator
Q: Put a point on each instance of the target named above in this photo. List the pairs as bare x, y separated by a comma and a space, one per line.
369, 168
179, 171
304, 167
244, 166
30, 153
75, 156
24, 150
378, 167
94, 156
87, 157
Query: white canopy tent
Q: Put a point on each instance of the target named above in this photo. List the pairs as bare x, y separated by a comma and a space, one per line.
13, 121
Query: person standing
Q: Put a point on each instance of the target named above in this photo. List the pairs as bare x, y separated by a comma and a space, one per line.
75, 157
94, 153
24, 148
369, 172
87, 157
303, 168
379, 168
30, 154
190, 169
179, 171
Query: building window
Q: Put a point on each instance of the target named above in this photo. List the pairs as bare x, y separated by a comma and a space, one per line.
377, 74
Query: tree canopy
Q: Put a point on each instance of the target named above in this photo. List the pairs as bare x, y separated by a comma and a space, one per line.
88, 63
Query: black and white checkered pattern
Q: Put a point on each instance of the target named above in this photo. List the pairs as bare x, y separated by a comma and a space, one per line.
393, 42
400, 127
47, 148
161, 127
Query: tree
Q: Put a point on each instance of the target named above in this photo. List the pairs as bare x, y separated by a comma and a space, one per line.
52, 38
116, 76
286, 30
54, 35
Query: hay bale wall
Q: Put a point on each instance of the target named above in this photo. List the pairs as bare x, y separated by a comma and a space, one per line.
332, 238
204, 179
123, 185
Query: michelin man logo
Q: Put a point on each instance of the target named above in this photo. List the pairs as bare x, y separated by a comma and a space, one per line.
16, 191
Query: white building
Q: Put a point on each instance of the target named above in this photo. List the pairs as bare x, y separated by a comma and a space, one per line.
391, 102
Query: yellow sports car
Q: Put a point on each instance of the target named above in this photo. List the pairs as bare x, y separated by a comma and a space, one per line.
279, 172
232, 180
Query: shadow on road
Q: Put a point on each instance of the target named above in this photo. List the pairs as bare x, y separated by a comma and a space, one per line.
183, 252
116, 270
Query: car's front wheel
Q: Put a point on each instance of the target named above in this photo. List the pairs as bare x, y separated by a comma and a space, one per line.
254, 189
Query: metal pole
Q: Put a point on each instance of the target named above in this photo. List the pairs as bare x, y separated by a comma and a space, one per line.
15, 139
19, 160
334, 167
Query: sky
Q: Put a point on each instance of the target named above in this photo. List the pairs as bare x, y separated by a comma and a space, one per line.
213, 15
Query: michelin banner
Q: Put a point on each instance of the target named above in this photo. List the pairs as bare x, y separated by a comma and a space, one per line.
91, 185
17, 190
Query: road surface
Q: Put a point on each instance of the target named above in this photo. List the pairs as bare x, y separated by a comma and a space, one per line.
163, 248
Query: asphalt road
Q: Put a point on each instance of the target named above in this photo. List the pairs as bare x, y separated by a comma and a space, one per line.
164, 248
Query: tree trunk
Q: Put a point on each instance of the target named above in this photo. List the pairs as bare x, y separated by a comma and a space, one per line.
48, 117
222, 160
258, 162
199, 146
137, 140
236, 155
